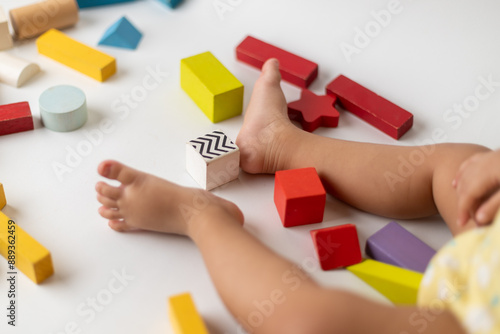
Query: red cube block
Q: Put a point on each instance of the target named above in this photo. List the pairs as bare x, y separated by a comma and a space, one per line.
337, 246
299, 196
15, 118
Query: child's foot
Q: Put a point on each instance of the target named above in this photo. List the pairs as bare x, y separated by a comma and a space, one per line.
266, 128
143, 201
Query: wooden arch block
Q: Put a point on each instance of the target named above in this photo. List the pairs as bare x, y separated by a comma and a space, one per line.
16, 71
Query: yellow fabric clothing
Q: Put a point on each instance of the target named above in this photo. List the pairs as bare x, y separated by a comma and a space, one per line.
464, 277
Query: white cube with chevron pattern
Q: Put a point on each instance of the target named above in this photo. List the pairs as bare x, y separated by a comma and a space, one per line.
213, 159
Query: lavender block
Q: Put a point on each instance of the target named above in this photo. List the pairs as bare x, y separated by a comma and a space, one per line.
394, 245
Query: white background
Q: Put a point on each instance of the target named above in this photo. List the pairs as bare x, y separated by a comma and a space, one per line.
428, 58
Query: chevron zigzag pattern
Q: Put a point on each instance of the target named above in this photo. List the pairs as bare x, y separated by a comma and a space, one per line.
213, 145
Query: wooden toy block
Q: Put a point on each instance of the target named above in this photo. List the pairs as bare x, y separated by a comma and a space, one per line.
337, 246
3, 199
122, 34
213, 160
15, 118
212, 87
299, 197
184, 316
171, 3
95, 64
5, 37
95, 3
370, 107
394, 245
33, 20
16, 71
63, 108
294, 69
313, 111
31, 257
398, 285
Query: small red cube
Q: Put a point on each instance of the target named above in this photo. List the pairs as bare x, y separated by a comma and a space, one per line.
337, 246
299, 196
15, 118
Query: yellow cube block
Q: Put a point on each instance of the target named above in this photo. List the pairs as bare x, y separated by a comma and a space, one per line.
31, 257
3, 199
95, 64
212, 87
184, 316
399, 285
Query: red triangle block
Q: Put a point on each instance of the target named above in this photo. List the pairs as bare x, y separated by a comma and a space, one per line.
313, 111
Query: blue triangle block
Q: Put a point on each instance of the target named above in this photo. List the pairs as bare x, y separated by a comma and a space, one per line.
171, 3
122, 34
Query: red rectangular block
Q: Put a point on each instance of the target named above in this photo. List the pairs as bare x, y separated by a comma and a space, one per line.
294, 69
372, 108
15, 118
299, 196
337, 246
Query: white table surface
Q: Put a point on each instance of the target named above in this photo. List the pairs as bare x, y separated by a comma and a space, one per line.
428, 58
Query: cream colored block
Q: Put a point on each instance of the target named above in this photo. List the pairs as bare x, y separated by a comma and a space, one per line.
16, 71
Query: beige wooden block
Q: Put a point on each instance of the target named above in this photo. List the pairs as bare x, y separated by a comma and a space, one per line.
33, 20
5, 37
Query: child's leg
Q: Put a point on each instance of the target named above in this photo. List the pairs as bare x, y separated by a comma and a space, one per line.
393, 181
265, 292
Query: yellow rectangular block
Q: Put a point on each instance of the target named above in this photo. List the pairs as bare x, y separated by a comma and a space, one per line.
3, 199
184, 316
31, 257
56, 45
217, 92
397, 284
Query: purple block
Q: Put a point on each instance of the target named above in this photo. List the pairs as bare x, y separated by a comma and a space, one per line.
394, 245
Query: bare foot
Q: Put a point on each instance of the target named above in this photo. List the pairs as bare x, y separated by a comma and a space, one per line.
266, 127
143, 201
